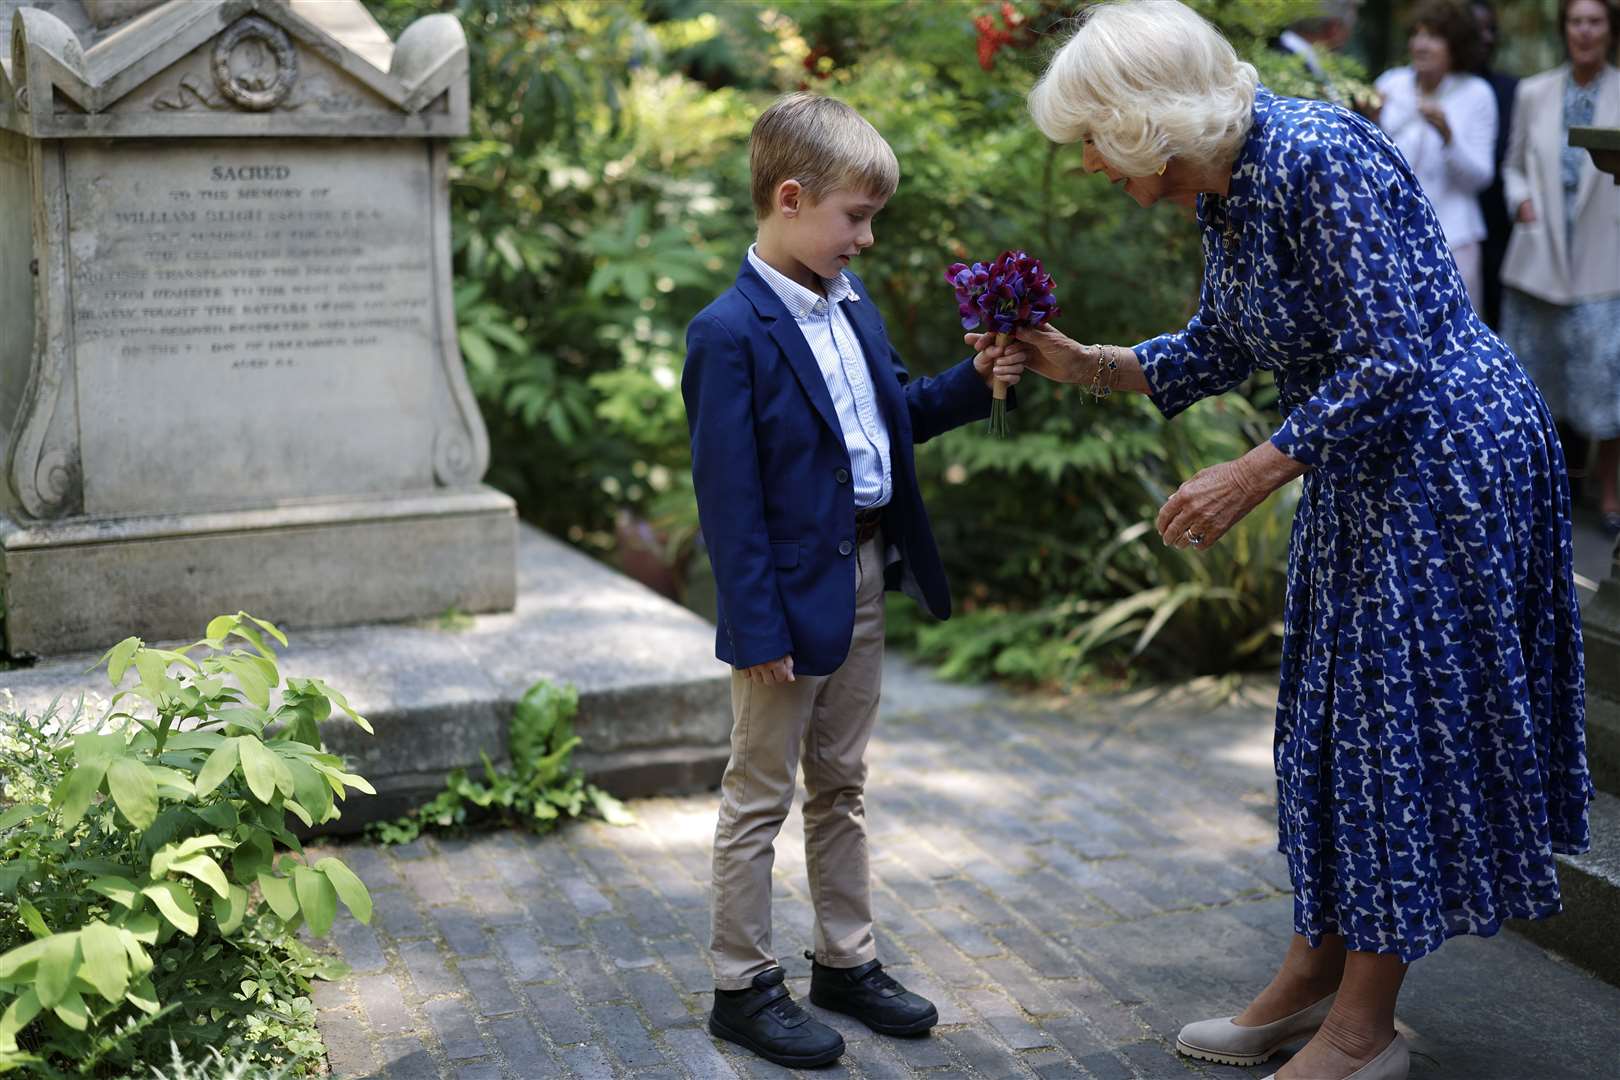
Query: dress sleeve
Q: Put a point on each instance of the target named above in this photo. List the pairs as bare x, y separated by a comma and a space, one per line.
1354, 260
1197, 362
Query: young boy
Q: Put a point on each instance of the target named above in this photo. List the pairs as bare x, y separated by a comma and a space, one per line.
803, 421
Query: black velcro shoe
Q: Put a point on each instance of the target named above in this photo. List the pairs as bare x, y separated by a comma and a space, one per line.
766, 1020
869, 995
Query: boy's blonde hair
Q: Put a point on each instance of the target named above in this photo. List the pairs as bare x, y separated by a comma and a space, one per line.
823, 144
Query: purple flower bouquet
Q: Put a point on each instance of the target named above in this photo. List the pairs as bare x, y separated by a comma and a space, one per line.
1011, 293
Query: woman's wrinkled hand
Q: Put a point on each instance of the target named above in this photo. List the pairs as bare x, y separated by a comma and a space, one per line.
1219, 497
1043, 350
1206, 507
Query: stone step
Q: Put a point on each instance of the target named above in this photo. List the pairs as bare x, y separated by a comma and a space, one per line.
1603, 741
654, 713
1600, 619
1588, 931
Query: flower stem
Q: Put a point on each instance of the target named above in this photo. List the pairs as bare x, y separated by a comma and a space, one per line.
998, 398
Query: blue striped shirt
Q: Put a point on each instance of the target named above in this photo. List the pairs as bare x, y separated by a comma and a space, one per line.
838, 354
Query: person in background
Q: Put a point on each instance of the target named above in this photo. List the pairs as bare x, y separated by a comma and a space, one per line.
1561, 301
1492, 201
1444, 120
1329, 30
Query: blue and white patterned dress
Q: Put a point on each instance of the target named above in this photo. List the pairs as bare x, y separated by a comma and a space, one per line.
1430, 742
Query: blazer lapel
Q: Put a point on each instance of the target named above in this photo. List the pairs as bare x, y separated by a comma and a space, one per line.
790, 338
880, 373
1607, 115
1549, 196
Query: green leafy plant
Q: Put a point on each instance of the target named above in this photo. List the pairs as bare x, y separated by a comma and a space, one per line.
214, 1067
142, 896
539, 789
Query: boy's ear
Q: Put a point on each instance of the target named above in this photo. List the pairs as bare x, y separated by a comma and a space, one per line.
789, 197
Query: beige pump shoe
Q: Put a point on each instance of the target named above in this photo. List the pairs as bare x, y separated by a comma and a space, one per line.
1393, 1064
1225, 1042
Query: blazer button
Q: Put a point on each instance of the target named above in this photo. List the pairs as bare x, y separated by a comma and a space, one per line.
843, 476
845, 547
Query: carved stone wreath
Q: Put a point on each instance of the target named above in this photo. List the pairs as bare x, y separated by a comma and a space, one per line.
255, 64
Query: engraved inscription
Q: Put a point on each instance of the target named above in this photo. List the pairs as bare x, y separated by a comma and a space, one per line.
253, 300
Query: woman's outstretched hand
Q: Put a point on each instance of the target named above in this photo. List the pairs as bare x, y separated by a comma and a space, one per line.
1206, 507
1043, 350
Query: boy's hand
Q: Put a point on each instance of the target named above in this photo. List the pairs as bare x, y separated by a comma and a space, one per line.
997, 362
1043, 350
772, 673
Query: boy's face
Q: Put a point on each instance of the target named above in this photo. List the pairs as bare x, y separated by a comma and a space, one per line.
824, 235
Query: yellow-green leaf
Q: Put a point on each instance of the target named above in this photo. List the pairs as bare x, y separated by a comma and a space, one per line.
117, 658
106, 963
218, 627
33, 919
71, 1011
169, 854
154, 672
17, 960
204, 869
134, 944
316, 897
57, 964
121, 891
174, 901
19, 1015
278, 893
221, 763
18, 814
268, 628
230, 909
143, 928
258, 766
350, 889
73, 797
142, 996
134, 790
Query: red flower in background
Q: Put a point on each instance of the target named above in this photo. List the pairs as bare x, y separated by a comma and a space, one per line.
820, 62
1012, 31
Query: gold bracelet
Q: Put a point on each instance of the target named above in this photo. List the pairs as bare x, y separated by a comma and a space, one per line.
1106, 377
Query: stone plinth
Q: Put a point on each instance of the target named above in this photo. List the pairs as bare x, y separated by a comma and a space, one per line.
655, 714
228, 359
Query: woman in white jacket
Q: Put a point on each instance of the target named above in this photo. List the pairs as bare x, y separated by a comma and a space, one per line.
1444, 121
1561, 276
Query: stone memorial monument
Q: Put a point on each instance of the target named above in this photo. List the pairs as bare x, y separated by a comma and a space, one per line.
228, 366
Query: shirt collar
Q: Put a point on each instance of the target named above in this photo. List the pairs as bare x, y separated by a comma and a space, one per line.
800, 301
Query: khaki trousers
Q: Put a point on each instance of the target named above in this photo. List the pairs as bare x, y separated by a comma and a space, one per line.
827, 720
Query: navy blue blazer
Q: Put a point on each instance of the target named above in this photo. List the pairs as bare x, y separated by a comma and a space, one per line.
774, 494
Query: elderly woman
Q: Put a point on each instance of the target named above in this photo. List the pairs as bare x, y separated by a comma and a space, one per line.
1561, 307
1430, 725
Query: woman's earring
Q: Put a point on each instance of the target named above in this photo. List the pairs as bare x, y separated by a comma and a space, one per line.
1163, 167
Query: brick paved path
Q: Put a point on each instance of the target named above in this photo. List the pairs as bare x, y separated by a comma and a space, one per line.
1069, 884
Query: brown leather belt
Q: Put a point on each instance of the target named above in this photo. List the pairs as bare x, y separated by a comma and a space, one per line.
867, 523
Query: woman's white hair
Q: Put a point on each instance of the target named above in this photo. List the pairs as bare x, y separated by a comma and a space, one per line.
1145, 81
